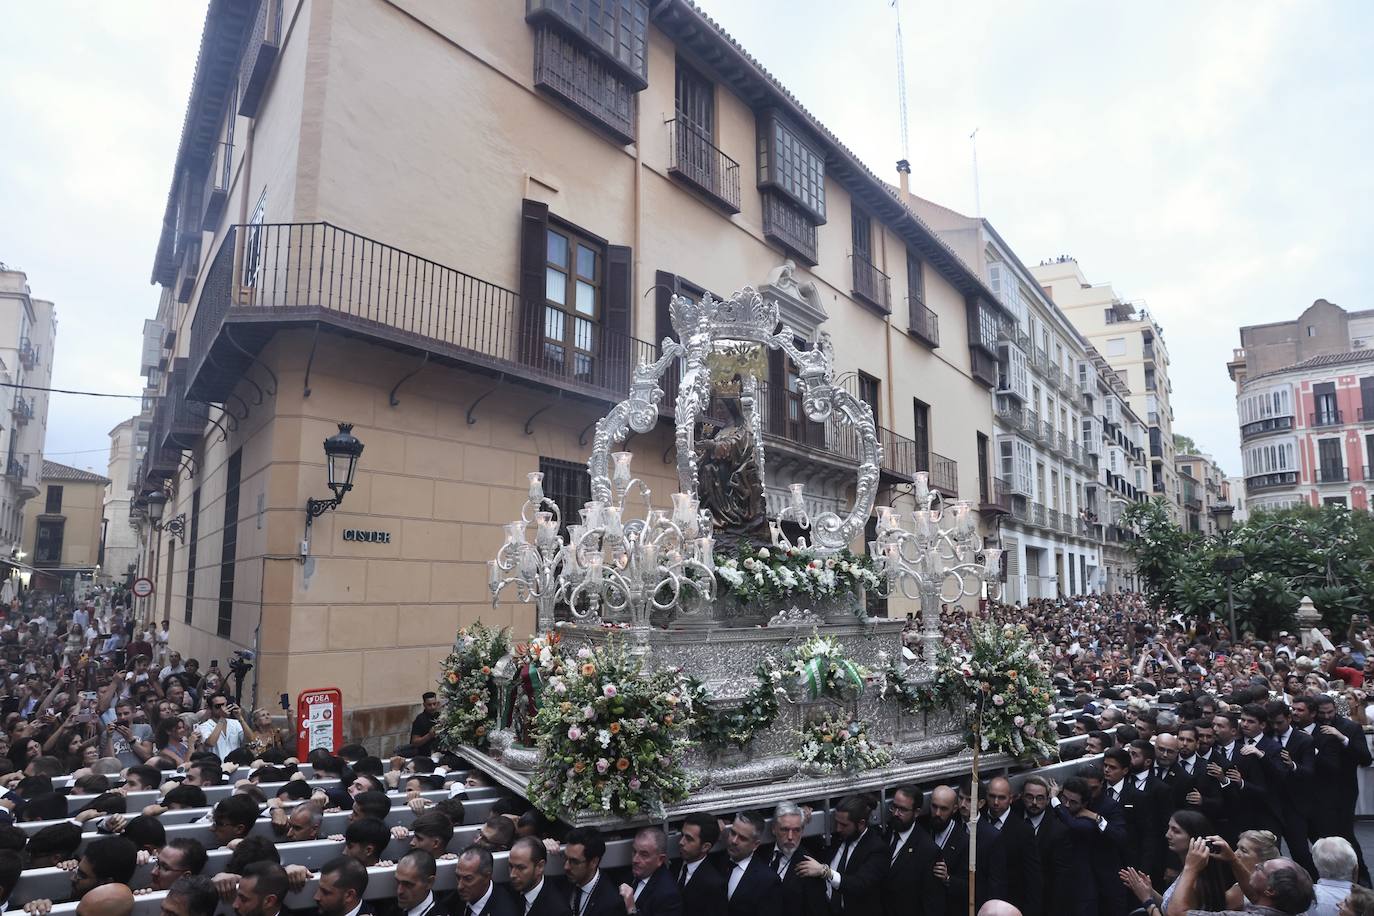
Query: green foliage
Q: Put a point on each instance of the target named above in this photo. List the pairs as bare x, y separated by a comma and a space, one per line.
1323, 553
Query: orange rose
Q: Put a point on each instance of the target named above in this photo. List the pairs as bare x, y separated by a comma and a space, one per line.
579, 766
453, 677
588, 669
622, 764
486, 669
481, 730
615, 728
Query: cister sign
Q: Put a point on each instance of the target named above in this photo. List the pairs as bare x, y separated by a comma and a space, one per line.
319, 720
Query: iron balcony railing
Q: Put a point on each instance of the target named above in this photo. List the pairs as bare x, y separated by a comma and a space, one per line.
1039, 515
308, 272
944, 474
1332, 474
1000, 497
899, 454
1020, 510
23, 409
1364, 415
923, 323
1369, 472
698, 162
1011, 414
28, 355
1331, 417
15, 469
1031, 422
870, 283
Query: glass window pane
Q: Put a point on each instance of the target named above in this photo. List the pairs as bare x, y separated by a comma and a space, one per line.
586, 262
586, 298
553, 323
582, 366
582, 331
555, 286
558, 249
553, 357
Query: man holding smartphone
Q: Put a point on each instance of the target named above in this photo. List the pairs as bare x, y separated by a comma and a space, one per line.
225, 731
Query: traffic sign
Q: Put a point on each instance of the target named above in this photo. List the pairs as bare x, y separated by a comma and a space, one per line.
143, 587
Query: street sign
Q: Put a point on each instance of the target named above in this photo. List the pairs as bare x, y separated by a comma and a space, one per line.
319, 720
143, 588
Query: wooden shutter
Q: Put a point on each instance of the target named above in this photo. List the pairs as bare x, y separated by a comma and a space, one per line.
617, 342
777, 393
534, 228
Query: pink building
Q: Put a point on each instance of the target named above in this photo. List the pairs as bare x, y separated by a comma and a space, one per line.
1305, 402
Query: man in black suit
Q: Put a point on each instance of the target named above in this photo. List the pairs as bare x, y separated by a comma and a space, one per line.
537, 897
1157, 795
653, 891
751, 887
857, 861
481, 897
592, 893
415, 887
1136, 806
1193, 788
343, 881
1291, 757
260, 891
801, 896
950, 836
1096, 830
1012, 845
1341, 750
1241, 777
910, 888
1051, 843
699, 881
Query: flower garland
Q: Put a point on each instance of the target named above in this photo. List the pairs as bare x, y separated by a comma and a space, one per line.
1010, 692
612, 735
820, 667
946, 690
466, 685
772, 573
839, 744
735, 727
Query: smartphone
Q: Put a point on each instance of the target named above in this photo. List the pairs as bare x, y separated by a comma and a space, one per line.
214, 663
286, 701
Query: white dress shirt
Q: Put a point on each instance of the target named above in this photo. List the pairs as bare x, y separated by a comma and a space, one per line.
423, 907
478, 906
736, 873
532, 895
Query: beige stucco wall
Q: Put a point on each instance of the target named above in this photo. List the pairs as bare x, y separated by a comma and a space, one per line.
83, 508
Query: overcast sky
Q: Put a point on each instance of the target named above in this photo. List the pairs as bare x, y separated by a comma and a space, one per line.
1211, 159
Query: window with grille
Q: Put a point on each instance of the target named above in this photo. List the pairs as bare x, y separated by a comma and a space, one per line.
788, 163
53, 504
569, 485
573, 278
229, 551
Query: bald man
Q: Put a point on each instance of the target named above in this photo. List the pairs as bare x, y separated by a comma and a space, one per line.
951, 837
998, 908
107, 900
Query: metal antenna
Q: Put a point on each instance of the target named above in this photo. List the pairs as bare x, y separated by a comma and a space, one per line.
901, 78
977, 194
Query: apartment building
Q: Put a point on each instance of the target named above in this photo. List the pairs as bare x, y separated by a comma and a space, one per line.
64, 529
1123, 467
28, 331
1045, 458
1132, 343
1204, 489
123, 547
1305, 402
463, 253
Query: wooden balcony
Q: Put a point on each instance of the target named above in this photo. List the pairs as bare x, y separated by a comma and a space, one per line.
870, 283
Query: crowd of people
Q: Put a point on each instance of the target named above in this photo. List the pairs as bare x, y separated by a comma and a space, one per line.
1217, 775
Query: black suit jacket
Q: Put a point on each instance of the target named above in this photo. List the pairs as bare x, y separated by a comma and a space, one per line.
550, 902
1248, 805
705, 893
861, 879
1015, 847
954, 856
1336, 763
1096, 856
394, 908
660, 896
1209, 790
911, 888
1056, 864
800, 896
502, 902
605, 899
1144, 830
757, 893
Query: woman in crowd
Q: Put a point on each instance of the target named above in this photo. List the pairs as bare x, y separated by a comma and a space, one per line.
264, 736
1183, 828
172, 743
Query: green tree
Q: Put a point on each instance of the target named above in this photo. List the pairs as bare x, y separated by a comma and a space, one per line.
1326, 554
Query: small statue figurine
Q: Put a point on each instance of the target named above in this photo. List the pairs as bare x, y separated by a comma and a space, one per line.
729, 482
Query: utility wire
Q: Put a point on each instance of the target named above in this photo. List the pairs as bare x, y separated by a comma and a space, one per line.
89, 394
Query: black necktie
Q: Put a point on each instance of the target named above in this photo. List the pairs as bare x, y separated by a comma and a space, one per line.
894, 843
777, 859
682, 877
577, 900
844, 859
994, 823
469, 911
1116, 795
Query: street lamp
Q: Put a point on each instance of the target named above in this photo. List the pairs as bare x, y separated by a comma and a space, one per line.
157, 505
1223, 515
341, 452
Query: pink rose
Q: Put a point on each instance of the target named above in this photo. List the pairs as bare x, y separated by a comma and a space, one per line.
609, 690
602, 765
574, 734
